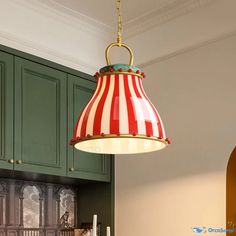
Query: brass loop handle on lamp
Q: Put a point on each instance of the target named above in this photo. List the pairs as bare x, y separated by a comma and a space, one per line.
131, 61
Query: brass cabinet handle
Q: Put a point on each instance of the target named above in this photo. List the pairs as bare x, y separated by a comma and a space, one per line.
19, 162
11, 161
71, 169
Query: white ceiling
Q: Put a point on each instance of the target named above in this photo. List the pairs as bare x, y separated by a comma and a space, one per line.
104, 11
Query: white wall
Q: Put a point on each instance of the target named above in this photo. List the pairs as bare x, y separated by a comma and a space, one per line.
168, 192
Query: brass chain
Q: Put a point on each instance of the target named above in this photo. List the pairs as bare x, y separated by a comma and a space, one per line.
119, 43
120, 26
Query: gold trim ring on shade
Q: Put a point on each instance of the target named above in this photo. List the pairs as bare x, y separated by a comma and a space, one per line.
119, 72
103, 136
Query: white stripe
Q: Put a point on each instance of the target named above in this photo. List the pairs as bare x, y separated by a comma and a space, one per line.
138, 110
78, 133
105, 122
162, 126
123, 113
90, 122
151, 114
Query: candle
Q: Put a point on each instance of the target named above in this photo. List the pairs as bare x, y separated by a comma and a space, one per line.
94, 225
108, 231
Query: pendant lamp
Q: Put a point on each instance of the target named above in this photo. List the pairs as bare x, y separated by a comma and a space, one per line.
119, 118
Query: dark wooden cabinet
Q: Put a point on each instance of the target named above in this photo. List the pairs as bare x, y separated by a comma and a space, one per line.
82, 164
6, 109
40, 118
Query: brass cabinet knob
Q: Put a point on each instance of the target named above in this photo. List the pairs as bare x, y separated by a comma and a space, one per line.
71, 169
19, 162
11, 161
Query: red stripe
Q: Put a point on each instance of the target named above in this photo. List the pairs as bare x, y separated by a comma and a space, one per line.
160, 128
114, 115
99, 110
85, 120
148, 123
78, 120
133, 124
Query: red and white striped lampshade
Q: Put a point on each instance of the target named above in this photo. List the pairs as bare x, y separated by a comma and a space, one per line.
119, 118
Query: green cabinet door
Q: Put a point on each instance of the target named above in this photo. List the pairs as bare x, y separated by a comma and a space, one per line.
82, 164
40, 118
6, 109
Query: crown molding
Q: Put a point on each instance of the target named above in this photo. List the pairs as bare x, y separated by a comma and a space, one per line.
65, 15
161, 15
79, 21
36, 49
189, 48
86, 25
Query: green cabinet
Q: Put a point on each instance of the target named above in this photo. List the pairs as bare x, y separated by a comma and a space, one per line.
6, 109
40, 118
40, 105
82, 164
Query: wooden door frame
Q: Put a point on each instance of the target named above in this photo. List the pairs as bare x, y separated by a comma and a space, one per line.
231, 192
